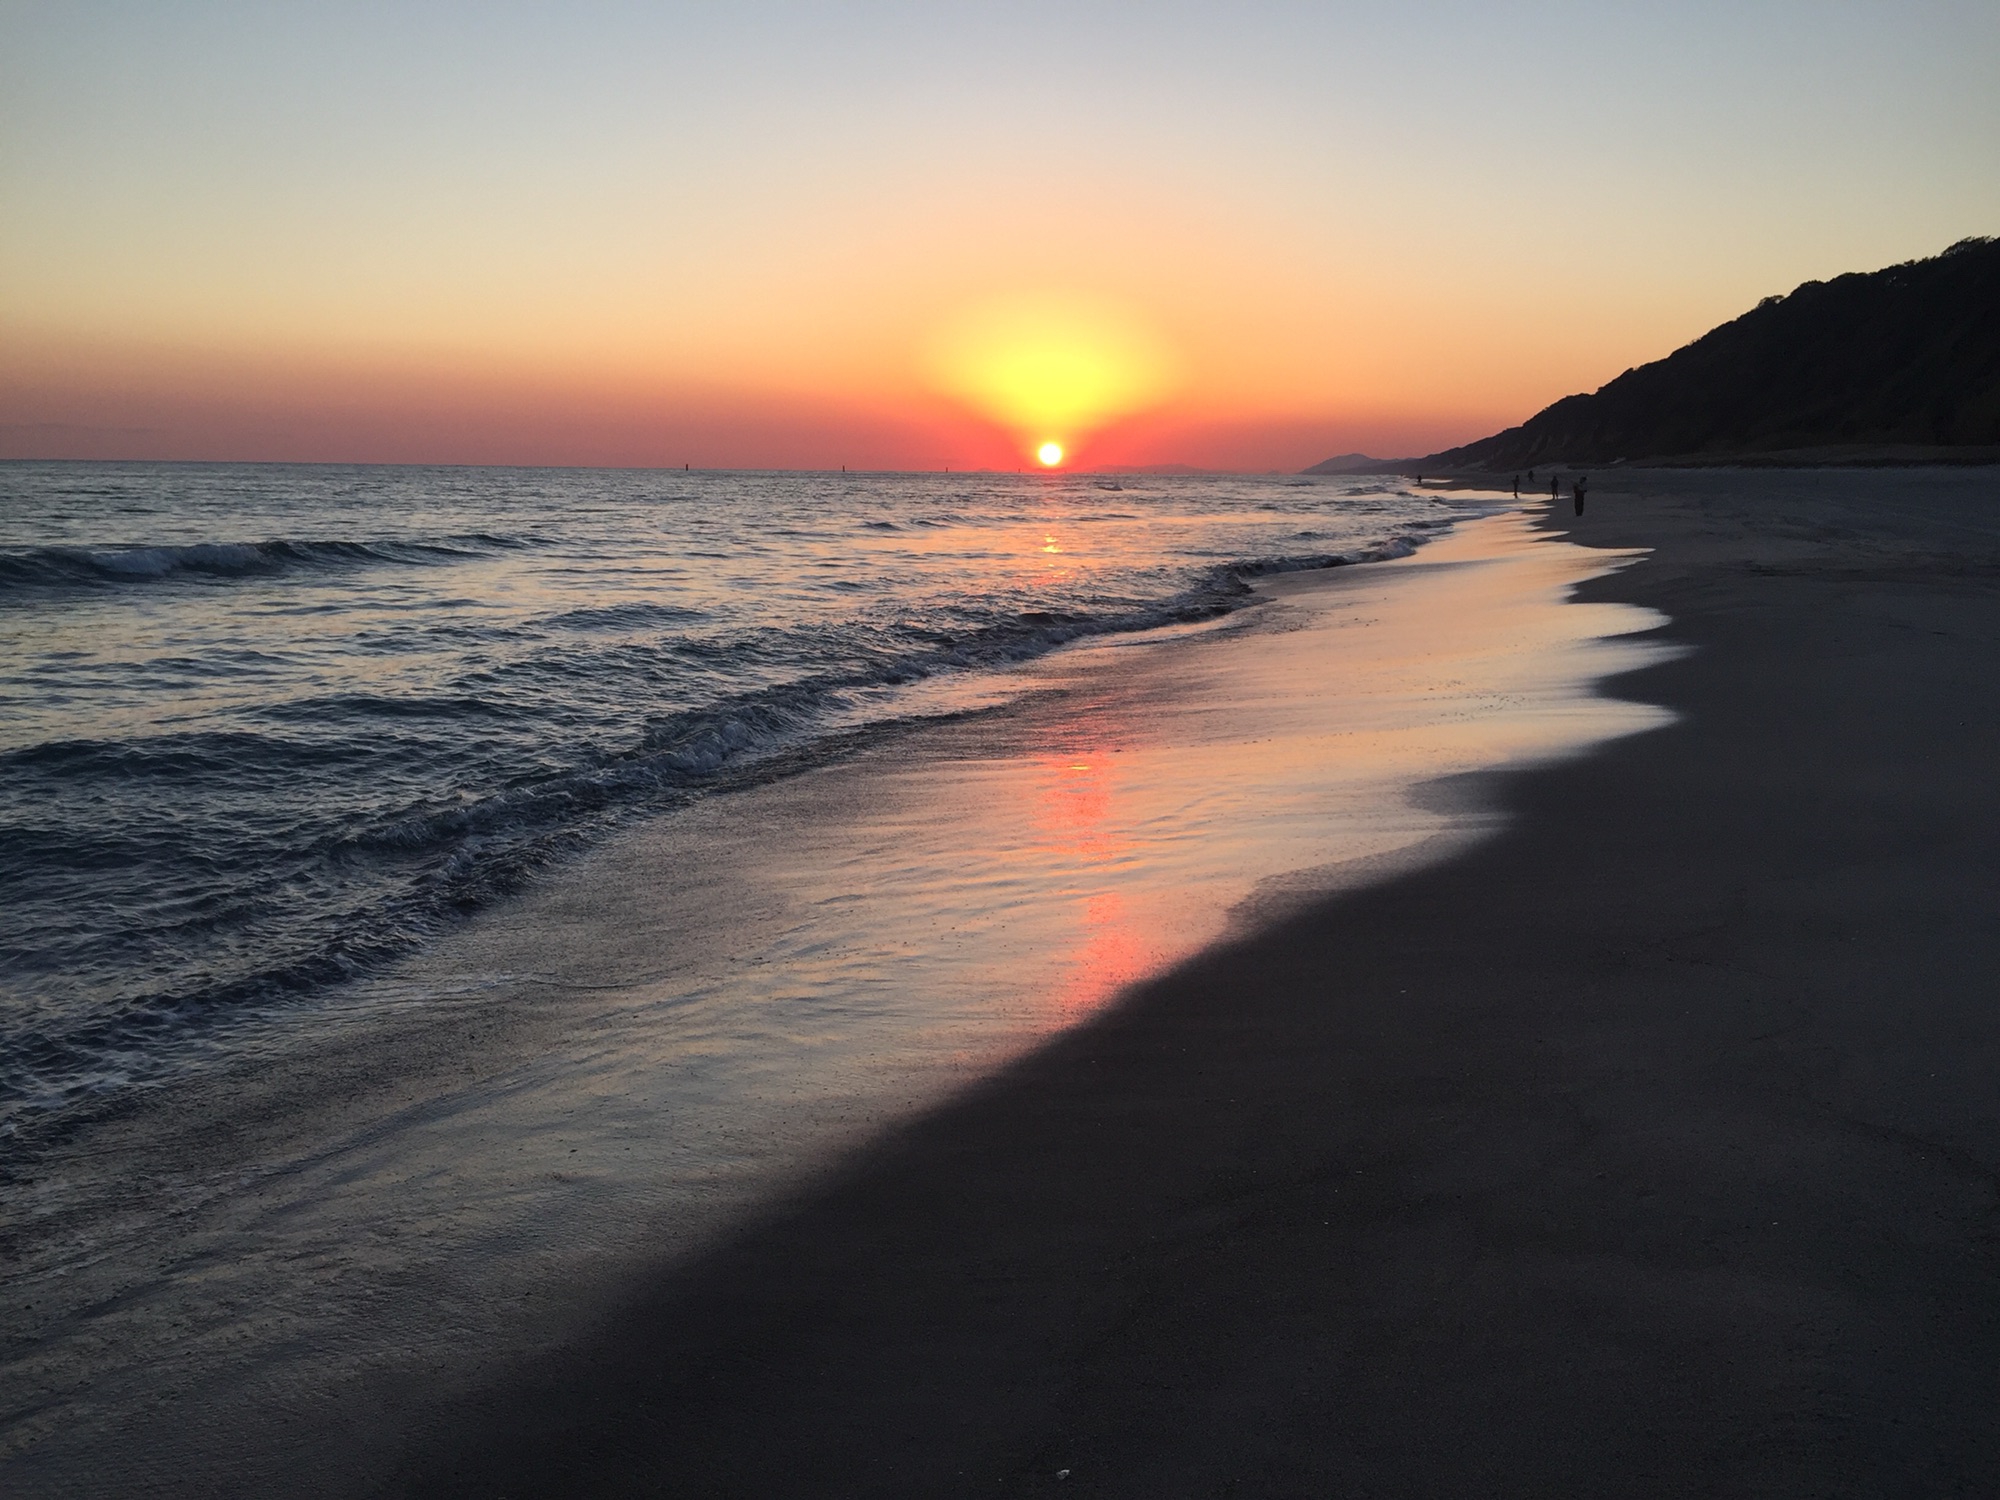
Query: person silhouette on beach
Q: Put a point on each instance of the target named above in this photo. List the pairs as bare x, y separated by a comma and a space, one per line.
1577, 492
1517, 486
1555, 487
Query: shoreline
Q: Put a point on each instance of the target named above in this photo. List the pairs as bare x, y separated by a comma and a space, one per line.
1646, 1148
624, 1066
469, 830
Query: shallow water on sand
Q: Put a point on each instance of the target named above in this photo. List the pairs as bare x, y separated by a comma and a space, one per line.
275, 1272
264, 728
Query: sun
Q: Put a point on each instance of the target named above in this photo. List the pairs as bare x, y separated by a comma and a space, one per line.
1050, 454
1039, 363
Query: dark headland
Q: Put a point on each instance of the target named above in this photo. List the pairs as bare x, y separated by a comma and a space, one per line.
1651, 1148
1896, 366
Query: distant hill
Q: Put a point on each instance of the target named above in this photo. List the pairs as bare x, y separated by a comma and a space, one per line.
1898, 365
1353, 463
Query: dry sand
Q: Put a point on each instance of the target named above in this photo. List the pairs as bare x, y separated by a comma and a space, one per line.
1648, 1148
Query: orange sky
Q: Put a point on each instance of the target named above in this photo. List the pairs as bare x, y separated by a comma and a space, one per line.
660, 235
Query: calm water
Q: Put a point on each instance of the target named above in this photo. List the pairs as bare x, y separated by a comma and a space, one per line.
266, 727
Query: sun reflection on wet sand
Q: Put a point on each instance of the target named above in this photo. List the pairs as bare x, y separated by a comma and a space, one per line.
1110, 956
1074, 813
1073, 803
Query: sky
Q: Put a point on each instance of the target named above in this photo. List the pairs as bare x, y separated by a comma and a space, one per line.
771, 233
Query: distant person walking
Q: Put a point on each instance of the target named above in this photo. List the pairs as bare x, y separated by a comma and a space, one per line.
1517, 486
1555, 487
1577, 492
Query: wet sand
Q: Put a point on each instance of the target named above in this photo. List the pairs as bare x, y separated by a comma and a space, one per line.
310, 1269
1646, 1148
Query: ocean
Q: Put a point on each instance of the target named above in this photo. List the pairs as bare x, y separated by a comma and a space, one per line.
264, 729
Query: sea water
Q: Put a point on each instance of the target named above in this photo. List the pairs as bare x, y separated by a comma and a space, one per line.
264, 729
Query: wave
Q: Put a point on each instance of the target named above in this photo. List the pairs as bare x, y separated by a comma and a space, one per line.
402, 875
195, 755
625, 616
40, 569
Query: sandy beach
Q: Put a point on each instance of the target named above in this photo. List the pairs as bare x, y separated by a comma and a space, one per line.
1524, 1090
1645, 1148
292, 1268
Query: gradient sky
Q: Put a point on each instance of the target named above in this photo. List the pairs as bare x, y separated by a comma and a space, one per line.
740, 234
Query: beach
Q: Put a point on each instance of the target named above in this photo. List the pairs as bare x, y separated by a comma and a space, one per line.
824, 753
1647, 1147
1508, 1020
296, 1257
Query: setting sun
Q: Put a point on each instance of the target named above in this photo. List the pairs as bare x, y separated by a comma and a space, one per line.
1032, 363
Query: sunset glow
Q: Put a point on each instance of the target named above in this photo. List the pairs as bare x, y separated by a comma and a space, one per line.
910, 237
1038, 362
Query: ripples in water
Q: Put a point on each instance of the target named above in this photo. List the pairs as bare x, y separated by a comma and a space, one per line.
265, 727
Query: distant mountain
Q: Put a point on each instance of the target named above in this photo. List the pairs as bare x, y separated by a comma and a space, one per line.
1353, 463
1898, 365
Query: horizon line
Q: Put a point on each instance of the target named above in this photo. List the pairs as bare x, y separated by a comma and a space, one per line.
1149, 471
